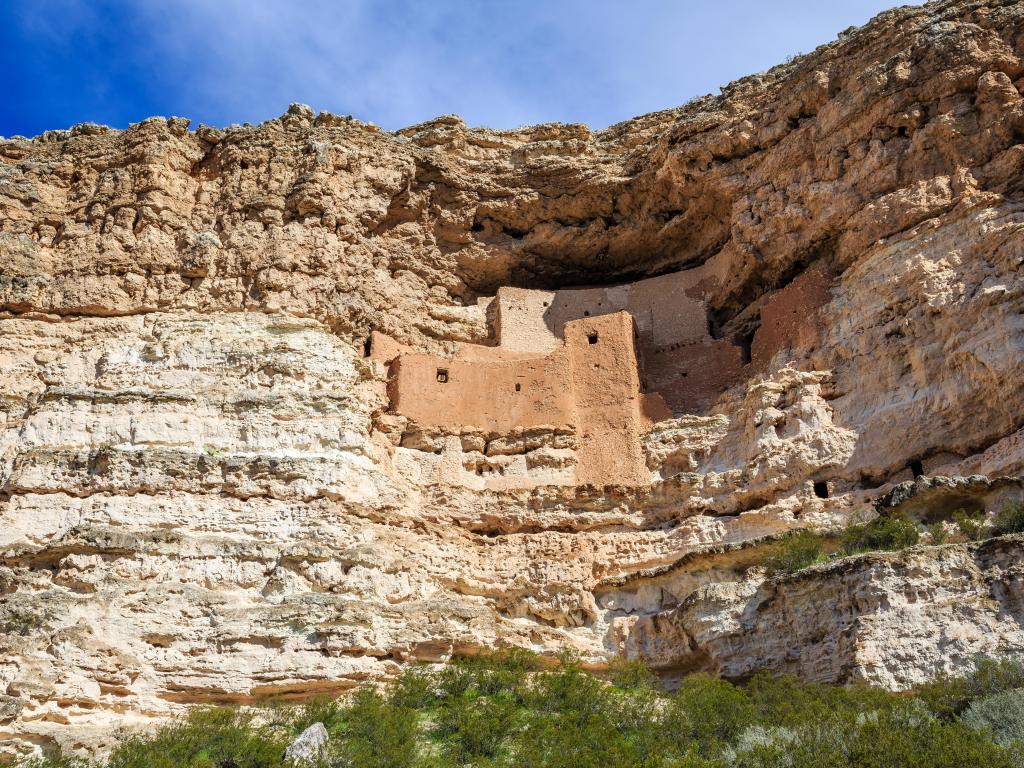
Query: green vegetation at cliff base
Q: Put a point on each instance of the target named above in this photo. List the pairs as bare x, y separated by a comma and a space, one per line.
508, 710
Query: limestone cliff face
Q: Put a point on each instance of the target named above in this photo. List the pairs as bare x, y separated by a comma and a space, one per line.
206, 493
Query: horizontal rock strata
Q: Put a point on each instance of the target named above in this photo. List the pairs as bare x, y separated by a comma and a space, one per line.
207, 493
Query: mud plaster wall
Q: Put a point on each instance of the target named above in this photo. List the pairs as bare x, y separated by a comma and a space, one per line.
519, 321
653, 358
690, 376
482, 394
789, 313
662, 308
666, 310
609, 415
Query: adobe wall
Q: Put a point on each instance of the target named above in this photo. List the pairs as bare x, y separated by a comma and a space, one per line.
606, 385
493, 396
593, 367
669, 309
666, 310
788, 313
519, 321
689, 377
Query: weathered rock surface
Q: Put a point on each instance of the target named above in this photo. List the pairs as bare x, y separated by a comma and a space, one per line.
202, 497
309, 746
894, 619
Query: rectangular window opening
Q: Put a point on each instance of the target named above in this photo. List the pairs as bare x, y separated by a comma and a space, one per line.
442, 375
592, 338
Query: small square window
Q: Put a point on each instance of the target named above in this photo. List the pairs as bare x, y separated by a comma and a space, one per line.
592, 338
442, 375
519, 387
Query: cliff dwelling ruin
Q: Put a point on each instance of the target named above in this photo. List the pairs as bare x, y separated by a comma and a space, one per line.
575, 378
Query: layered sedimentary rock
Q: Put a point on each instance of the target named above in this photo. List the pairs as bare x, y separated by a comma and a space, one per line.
894, 619
211, 490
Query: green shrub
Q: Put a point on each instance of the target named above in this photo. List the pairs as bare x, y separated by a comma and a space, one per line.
476, 726
454, 679
566, 689
971, 524
377, 734
506, 670
317, 710
508, 717
759, 746
795, 552
902, 738
948, 696
787, 702
630, 675
1010, 519
884, 533
1001, 713
715, 711
895, 737
937, 533
415, 688
213, 737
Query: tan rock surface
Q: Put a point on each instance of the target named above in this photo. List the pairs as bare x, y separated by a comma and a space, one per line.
204, 497
890, 619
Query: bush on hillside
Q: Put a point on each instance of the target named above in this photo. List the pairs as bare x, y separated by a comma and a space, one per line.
506, 717
796, 551
415, 688
948, 696
205, 737
884, 533
971, 523
630, 675
1001, 713
377, 734
937, 533
1010, 519
476, 726
716, 711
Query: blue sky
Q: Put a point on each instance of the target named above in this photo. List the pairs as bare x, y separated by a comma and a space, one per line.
395, 63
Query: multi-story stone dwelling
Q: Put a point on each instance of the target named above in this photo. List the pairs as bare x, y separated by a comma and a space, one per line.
575, 377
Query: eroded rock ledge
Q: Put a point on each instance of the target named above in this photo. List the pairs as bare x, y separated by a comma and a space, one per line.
895, 619
208, 491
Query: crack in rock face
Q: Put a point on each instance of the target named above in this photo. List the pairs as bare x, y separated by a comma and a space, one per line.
285, 407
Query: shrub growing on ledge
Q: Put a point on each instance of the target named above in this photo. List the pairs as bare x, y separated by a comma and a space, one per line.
884, 533
795, 552
1010, 519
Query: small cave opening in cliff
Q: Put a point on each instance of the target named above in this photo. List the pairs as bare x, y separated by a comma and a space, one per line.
367, 345
917, 468
821, 489
746, 345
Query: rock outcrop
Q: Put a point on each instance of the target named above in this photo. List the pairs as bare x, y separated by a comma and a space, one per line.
207, 493
895, 619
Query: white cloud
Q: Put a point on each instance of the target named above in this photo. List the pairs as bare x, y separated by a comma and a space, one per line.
496, 63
